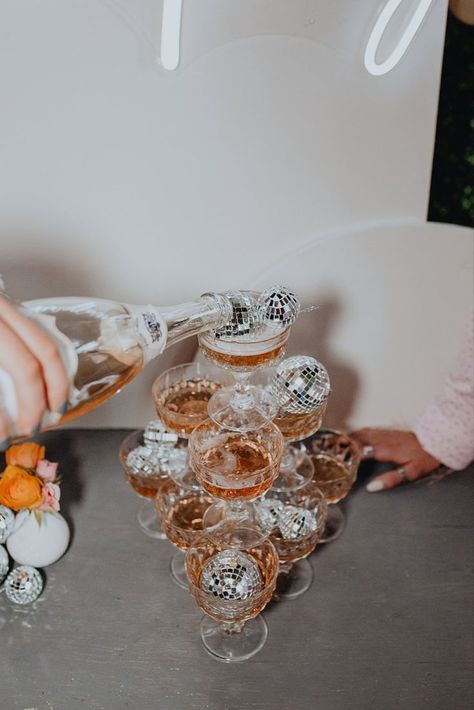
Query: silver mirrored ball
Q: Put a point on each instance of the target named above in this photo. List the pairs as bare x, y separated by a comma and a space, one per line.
144, 460
231, 575
278, 307
300, 384
23, 585
268, 512
4, 563
7, 521
296, 523
244, 319
156, 434
176, 465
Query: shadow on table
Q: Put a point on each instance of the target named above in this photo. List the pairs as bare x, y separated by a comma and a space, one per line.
61, 446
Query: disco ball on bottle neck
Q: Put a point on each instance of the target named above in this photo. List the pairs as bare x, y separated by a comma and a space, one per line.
300, 384
244, 319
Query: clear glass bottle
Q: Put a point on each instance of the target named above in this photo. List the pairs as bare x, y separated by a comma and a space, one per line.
104, 344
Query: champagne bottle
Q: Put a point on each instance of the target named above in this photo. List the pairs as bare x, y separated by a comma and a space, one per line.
104, 344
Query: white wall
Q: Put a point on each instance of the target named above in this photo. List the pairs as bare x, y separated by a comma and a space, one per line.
121, 180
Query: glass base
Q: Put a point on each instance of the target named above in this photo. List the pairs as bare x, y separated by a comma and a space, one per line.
148, 520
335, 524
238, 412
233, 643
294, 582
178, 569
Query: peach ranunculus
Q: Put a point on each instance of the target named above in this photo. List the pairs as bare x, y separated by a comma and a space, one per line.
46, 470
26, 455
19, 489
51, 494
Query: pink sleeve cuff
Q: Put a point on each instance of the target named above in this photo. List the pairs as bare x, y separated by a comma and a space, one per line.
446, 428
449, 440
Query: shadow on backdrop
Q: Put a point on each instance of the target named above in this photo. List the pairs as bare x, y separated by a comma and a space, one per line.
312, 335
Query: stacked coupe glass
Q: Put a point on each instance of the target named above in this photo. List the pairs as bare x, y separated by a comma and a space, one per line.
242, 497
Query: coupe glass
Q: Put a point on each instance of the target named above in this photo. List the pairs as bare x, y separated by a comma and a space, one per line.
181, 512
235, 467
181, 395
244, 407
232, 576
145, 483
297, 519
336, 459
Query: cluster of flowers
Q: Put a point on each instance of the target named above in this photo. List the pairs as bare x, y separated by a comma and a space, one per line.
29, 480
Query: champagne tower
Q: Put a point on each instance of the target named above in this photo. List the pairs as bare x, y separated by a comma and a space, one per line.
236, 492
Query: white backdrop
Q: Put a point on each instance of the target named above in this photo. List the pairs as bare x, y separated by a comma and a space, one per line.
269, 151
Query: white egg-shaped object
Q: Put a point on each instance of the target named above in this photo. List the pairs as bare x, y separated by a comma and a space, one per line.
38, 541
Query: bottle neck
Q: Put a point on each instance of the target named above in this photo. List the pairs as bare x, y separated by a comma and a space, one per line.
162, 326
210, 311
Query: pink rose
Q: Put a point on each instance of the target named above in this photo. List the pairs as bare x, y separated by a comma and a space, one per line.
51, 494
46, 470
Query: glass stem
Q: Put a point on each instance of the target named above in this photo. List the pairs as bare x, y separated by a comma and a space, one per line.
285, 567
242, 394
288, 460
236, 510
232, 627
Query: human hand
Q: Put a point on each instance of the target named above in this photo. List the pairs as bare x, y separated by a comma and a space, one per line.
398, 447
33, 362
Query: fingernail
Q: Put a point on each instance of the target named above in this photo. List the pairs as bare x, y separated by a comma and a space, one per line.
374, 486
5, 444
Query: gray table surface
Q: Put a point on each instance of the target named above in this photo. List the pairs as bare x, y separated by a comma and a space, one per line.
387, 623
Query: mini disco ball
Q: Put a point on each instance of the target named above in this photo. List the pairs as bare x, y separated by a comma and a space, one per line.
278, 307
268, 513
300, 384
296, 523
144, 460
23, 585
4, 562
231, 575
244, 319
7, 521
156, 434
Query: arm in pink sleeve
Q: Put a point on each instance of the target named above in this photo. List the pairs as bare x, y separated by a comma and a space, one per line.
446, 427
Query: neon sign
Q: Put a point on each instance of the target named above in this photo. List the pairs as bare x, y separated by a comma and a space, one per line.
171, 35
403, 43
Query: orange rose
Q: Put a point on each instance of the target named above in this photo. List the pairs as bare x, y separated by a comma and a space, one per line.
19, 489
26, 455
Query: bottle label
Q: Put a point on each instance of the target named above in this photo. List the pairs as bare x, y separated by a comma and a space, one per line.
152, 329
